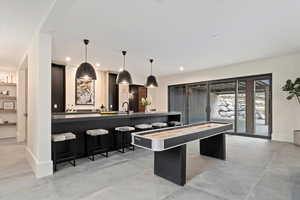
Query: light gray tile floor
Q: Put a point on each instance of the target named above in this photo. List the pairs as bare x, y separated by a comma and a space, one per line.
255, 169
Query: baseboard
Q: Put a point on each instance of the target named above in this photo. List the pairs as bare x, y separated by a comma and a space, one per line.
282, 138
40, 169
20, 137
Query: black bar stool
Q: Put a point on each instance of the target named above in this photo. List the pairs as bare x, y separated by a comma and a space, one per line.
143, 127
159, 125
125, 138
175, 123
95, 144
68, 139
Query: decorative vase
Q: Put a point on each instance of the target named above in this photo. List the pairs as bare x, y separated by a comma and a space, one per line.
147, 108
297, 137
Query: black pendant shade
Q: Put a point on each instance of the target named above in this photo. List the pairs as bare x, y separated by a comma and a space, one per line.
151, 80
86, 70
124, 76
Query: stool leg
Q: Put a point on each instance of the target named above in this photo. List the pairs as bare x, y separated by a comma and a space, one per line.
92, 149
121, 148
101, 146
73, 145
75, 150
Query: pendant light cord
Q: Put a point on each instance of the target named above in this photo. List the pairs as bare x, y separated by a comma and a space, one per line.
124, 54
124, 63
85, 53
151, 61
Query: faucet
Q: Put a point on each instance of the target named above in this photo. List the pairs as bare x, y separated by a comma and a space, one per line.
123, 104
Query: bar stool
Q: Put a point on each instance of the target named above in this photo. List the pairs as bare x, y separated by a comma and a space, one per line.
159, 125
143, 127
95, 143
125, 132
69, 139
175, 123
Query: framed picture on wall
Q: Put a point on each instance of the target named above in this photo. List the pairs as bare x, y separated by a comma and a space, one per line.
8, 105
85, 91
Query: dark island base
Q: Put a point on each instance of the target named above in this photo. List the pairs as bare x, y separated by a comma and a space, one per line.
171, 164
79, 126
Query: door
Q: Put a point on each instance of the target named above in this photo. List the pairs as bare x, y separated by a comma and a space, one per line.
222, 101
254, 107
58, 88
262, 105
197, 103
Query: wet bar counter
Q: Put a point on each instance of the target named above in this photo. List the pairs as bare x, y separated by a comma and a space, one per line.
80, 123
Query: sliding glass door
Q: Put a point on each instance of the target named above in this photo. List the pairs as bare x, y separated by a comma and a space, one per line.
197, 103
254, 107
246, 102
241, 107
262, 105
222, 101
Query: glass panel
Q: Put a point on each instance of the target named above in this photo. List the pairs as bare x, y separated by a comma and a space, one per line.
197, 103
241, 107
262, 105
177, 101
222, 102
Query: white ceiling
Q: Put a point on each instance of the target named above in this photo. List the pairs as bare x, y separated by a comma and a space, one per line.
195, 34
18, 21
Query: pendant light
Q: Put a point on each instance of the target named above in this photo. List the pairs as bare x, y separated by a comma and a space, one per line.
151, 80
124, 76
86, 70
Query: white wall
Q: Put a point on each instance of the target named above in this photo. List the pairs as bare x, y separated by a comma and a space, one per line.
285, 117
39, 105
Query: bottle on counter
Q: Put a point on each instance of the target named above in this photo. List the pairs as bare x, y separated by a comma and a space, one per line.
102, 108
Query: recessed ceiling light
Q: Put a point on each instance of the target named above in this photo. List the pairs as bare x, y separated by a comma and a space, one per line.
215, 36
68, 59
121, 69
97, 64
181, 68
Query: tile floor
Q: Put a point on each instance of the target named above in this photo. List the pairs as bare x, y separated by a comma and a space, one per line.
255, 169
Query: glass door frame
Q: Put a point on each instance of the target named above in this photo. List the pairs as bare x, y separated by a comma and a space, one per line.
236, 80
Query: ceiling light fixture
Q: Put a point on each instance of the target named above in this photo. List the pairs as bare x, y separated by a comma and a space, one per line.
124, 76
151, 80
68, 59
98, 65
181, 68
86, 69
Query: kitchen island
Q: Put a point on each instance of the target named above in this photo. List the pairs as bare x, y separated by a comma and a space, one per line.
80, 123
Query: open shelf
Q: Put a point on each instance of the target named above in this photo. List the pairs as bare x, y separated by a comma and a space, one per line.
8, 84
7, 110
8, 98
8, 124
